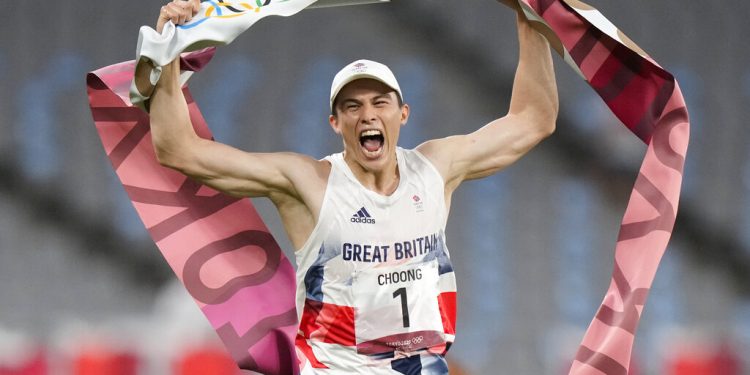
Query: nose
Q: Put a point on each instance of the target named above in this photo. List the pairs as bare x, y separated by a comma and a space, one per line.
368, 113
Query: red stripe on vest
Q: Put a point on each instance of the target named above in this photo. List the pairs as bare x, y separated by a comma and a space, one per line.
447, 303
305, 348
328, 323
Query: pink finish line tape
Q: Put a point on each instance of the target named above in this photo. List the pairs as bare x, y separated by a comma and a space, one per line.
201, 232
648, 101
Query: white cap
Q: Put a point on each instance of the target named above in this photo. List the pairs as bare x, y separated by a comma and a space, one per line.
363, 69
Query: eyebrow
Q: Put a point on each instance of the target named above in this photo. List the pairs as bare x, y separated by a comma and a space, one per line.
350, 100
383, 96
345, 101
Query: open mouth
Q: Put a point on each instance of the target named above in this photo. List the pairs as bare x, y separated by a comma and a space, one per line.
371, 141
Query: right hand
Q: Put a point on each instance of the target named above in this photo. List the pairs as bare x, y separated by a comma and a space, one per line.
178, 11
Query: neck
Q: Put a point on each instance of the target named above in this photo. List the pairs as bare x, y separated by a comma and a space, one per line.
383, 180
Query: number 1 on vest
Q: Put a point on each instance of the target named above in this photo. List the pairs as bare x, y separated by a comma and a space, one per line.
404, 307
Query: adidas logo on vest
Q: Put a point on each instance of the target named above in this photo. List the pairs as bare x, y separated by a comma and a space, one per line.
362, 216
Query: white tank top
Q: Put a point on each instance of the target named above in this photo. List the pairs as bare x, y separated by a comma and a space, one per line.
376, 290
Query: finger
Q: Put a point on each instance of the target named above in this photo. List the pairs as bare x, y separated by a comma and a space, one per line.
172, 15
190, 8
186, 11
196, 4
177, 13
166, 14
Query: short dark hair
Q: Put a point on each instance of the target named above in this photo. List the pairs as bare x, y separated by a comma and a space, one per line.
336, 103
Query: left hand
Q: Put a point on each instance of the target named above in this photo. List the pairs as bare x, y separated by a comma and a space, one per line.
178, 11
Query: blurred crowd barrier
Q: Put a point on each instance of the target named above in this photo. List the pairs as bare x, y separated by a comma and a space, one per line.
109, 356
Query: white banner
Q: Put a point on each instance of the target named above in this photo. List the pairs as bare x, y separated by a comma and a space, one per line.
216, 23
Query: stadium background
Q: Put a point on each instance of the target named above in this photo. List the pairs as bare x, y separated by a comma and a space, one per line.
82, 286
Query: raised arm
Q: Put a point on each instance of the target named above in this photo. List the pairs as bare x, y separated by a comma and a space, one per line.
530, 119
220, 166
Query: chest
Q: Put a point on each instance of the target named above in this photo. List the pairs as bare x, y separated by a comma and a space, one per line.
415, 213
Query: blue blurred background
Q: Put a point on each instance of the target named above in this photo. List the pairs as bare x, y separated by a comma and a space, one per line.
84, 291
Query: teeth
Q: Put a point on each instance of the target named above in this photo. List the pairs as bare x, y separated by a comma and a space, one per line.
370, 133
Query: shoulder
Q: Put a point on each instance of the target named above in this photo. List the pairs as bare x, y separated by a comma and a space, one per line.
416, 158
301, 169
439, 152
302, 174
415, 162
308, 179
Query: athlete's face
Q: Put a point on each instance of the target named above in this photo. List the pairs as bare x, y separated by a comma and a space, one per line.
369, 119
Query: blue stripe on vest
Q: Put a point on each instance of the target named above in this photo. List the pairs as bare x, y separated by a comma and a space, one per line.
408, 366
444, 263
314, 277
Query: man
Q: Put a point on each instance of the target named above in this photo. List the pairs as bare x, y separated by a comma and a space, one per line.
376, 291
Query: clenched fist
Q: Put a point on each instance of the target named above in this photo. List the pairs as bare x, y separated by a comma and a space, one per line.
178, 11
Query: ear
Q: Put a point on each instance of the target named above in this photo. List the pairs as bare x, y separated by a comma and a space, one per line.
405, 110
334, 122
